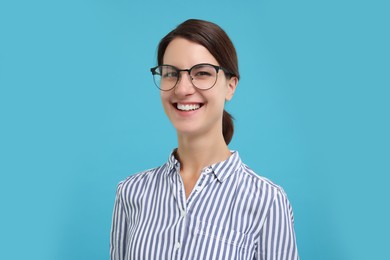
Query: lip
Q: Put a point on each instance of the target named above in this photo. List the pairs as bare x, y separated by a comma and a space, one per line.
189, 112
187, 102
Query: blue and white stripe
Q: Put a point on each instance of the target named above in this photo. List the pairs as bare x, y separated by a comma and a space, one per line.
232, 213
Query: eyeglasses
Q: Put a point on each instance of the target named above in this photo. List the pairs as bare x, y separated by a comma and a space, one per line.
203, 76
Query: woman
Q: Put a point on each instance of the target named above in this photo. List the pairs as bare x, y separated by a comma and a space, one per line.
204, 203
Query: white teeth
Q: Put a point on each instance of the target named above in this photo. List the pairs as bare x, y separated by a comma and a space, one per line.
188, 107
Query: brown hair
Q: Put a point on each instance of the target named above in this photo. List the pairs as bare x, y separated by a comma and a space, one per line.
218, 43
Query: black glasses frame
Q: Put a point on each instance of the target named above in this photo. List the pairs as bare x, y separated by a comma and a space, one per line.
217, 68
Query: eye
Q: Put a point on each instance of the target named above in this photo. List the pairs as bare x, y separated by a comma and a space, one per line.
203, 71
170, 74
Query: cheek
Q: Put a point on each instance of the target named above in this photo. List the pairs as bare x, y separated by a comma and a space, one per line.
164, 97
218, 101
221, 93
164, 100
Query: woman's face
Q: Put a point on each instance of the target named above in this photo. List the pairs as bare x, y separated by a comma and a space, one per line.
195, 112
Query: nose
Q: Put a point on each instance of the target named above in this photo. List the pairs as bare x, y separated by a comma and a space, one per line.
184, 86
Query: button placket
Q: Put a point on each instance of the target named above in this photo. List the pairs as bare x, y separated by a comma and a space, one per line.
181, 207
205, 176
183, 213
198, 188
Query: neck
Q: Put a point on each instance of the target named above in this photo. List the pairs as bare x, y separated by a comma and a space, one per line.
195, 153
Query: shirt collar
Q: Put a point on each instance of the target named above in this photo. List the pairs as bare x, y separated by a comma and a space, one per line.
221, 170
224, 169
172, 164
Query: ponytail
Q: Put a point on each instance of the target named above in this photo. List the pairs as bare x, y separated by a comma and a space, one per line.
227, 126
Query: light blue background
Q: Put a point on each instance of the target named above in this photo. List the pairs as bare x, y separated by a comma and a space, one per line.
79, 113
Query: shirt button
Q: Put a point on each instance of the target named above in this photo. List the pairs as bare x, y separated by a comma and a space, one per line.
198, 188
183, 213
177, 246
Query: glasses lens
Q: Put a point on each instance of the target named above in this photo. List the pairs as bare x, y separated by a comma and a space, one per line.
165, 77
204, 76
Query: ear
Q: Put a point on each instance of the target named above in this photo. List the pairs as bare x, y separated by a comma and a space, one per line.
232, 85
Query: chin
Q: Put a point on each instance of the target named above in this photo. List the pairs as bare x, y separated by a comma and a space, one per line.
186, 130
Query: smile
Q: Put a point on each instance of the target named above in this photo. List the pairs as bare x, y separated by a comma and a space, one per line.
187, 107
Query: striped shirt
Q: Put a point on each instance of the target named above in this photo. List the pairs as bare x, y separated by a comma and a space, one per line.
232, 213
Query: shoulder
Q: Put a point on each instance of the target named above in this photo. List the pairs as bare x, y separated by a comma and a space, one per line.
266, 193
139, 180
259, 195
259, 186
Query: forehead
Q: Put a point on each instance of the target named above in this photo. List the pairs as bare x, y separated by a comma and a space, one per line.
183, 53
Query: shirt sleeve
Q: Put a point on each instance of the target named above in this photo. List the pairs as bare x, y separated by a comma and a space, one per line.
277, 240
118, 238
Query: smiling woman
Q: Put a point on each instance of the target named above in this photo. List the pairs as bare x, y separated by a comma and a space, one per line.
204, 203
206, 119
